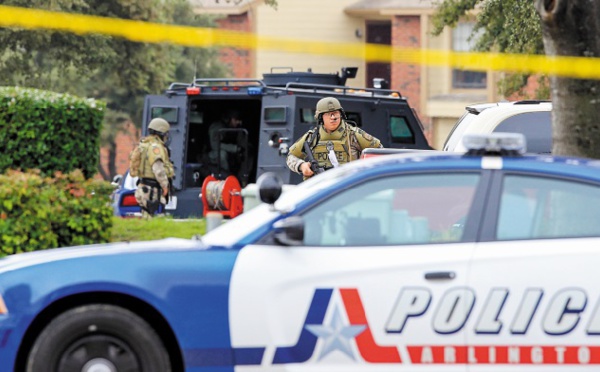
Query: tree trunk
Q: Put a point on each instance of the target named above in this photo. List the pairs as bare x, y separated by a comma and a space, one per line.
111, 172
571, 28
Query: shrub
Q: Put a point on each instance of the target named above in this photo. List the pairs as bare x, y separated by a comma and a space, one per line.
49, 131
40, 212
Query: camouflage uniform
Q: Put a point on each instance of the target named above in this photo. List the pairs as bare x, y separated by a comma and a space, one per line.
348, 142
156, 170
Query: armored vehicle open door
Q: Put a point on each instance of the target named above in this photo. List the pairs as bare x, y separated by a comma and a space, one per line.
173, 108
284, 118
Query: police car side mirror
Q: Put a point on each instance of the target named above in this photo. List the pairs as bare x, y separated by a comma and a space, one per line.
270, 187
116, 180
289, 231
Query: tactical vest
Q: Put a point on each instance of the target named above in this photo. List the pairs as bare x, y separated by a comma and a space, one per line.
154, 150
340, 141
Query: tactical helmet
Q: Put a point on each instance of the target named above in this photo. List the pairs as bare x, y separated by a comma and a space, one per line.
159, 125
327, 104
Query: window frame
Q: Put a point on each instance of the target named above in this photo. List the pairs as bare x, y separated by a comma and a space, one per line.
406, 123
471, 226
489, 225
172, 121
469, 47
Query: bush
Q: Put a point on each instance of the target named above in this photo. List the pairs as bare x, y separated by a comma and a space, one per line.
38, 212
49, 131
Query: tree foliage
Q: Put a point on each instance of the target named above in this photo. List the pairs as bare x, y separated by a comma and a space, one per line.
115, 70
571, 28
505, 26
558, 28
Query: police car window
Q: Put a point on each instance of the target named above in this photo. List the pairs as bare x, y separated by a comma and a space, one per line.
535, 126
400, 130
536, 207
408, 209
167, 113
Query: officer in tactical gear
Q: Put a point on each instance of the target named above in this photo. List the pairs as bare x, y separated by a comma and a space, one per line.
333, 142
155, 168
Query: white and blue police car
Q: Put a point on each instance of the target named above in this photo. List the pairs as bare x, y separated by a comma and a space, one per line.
483, 261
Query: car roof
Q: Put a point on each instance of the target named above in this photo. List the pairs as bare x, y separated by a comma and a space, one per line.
371, 151
534, 163
485, 117
522, 105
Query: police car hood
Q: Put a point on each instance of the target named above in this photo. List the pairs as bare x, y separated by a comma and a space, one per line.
21, 260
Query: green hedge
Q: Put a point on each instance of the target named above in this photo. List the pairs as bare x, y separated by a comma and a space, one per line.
49, 131
38, 212
51, 150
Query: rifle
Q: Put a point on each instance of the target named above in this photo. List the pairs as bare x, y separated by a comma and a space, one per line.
314, 164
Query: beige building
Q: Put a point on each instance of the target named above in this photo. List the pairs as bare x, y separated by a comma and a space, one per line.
439, 94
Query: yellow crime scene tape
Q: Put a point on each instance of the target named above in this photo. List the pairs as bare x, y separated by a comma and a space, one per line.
146, 32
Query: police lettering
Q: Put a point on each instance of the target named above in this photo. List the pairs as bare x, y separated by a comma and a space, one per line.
506, 355
560, 316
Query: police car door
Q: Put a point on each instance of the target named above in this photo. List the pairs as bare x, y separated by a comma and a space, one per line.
537, 283
172, 108
378, 282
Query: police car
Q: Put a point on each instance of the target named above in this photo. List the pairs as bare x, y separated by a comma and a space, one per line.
425, 261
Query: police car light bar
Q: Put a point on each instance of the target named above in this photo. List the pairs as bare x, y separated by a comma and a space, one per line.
495, 144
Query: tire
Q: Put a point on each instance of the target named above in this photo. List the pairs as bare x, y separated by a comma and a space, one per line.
98, 338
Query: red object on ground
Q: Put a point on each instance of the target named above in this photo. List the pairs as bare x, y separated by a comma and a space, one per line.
223, 197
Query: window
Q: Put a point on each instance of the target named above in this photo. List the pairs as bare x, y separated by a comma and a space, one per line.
535, 126
275, 115
458, 130
535, 208
355, 118
307, 116
400, 130
462, 42
408, 209
167, 113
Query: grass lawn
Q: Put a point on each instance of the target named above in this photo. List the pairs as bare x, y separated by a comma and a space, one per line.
136, 229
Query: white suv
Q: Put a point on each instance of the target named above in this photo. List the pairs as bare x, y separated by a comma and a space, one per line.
533, 119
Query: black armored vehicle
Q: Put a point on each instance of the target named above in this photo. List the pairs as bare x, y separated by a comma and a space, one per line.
275, 111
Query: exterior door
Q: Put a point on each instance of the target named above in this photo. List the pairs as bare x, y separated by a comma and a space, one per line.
379, 282
537, 305
379, 33
284, 119
174, 110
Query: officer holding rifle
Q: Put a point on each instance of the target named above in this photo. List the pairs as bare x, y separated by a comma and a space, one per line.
333, 142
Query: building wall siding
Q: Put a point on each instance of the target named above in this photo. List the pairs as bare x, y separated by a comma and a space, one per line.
406, 34
239, 61
315, 21
125, 141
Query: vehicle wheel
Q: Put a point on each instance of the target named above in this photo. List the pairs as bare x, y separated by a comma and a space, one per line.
98, 338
